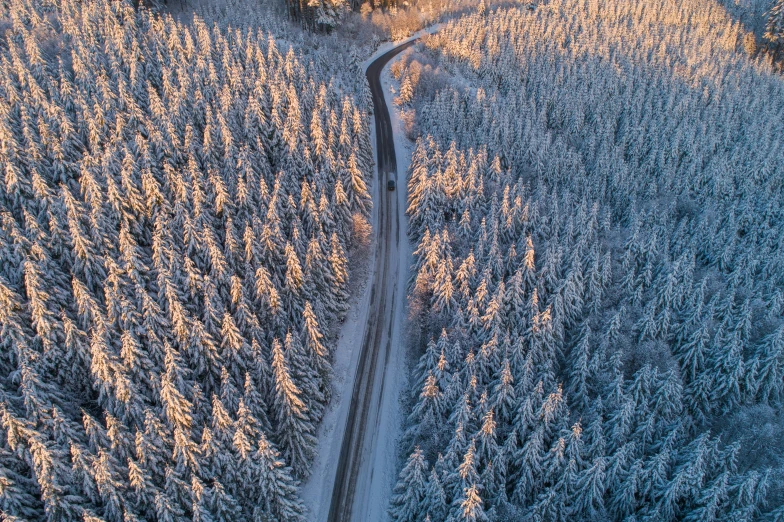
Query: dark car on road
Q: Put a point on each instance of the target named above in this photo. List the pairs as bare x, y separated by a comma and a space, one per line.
391, 184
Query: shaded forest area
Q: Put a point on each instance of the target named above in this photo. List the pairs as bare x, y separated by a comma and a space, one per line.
596, 199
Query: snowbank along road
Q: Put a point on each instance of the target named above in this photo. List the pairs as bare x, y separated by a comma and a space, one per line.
364, 412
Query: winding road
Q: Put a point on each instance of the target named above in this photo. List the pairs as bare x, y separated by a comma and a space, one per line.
365, 416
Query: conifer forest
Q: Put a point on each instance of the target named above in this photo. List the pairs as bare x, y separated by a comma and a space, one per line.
176, 210
599, 223
198, 209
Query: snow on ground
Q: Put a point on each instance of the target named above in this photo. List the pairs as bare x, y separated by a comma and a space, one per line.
316, 491
372, 496
374, 491
389, 44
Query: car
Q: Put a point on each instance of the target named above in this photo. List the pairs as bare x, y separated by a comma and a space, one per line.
391, 184
531, 6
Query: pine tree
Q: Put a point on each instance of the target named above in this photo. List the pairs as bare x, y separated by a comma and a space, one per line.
426, 415
407, 500
580, 359
318, 352
486, 438
774, 28
471, 508
590, 491
406, 91
277, 500
434, 503
505, 397
295, 431
770, 354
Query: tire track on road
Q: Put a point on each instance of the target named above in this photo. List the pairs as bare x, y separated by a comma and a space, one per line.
366, 385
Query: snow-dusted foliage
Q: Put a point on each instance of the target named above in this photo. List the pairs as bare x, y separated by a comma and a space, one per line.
317, 14
334, 56
774, 28
599, 269
176, 207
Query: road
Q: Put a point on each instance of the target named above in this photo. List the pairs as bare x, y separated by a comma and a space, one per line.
364, 416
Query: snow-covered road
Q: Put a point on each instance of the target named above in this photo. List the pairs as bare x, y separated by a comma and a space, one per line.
367, 454
355, 470
378, 472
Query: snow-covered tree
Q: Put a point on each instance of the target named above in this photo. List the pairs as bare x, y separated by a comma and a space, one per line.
566, 243
157, 174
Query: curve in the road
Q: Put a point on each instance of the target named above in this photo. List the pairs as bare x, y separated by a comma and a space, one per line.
379, 317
